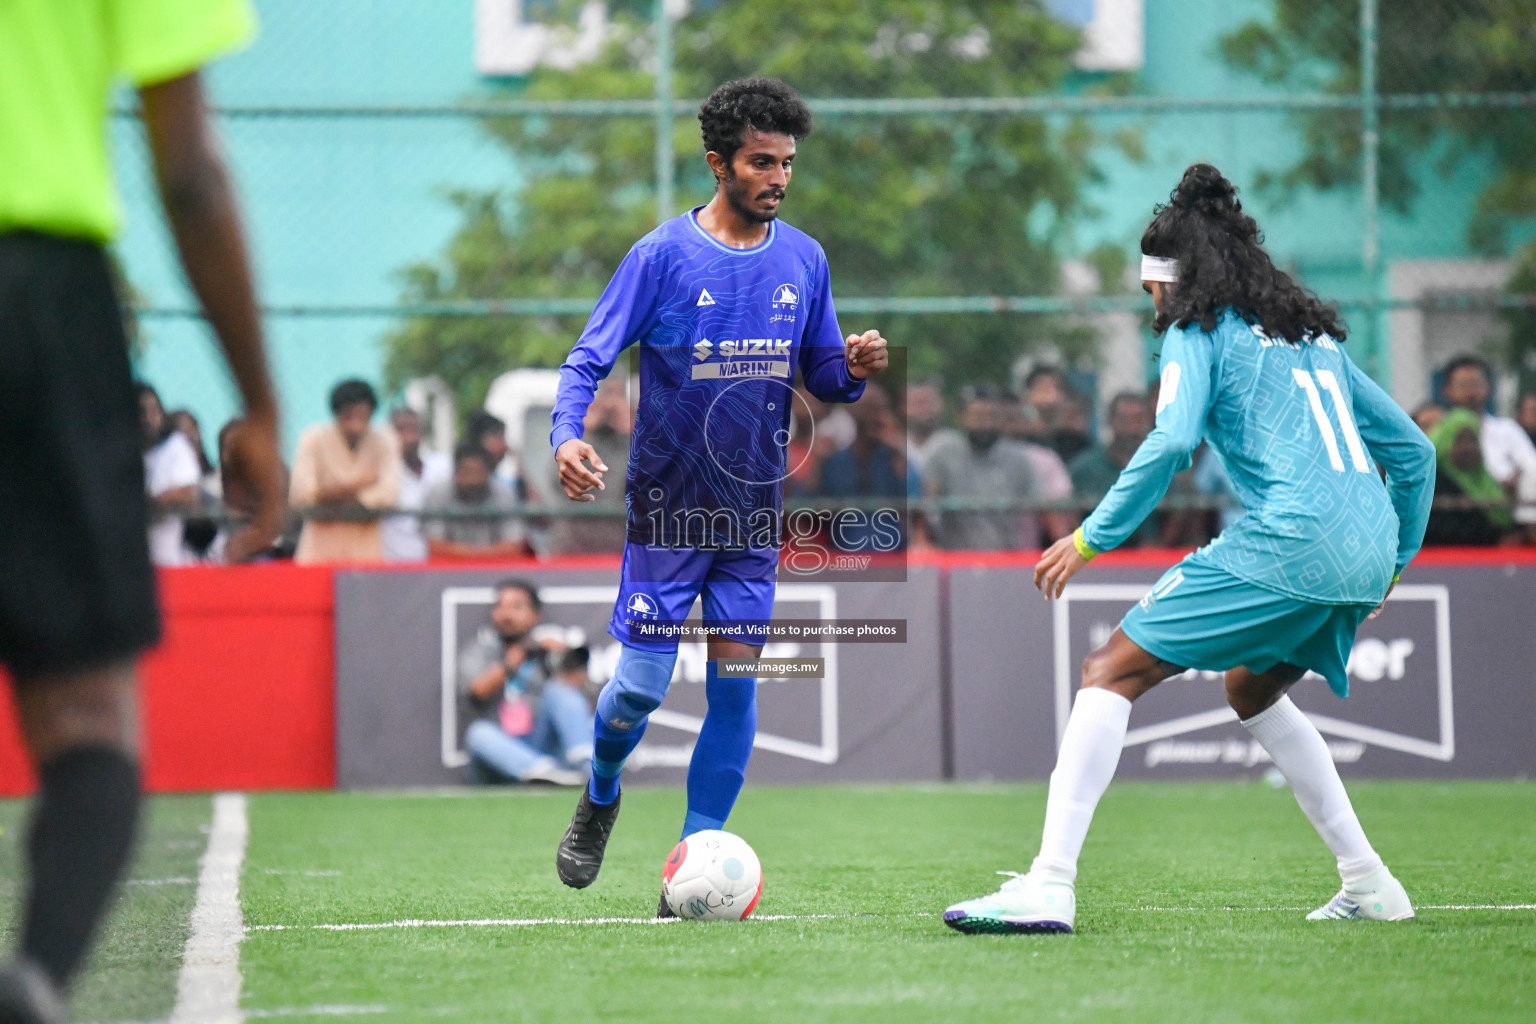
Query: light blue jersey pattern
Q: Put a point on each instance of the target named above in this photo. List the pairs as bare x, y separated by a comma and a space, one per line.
1300, 431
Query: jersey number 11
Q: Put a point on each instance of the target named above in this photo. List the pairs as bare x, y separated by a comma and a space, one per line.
1346, 424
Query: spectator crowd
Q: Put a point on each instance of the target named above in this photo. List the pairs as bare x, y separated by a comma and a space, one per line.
1007, 470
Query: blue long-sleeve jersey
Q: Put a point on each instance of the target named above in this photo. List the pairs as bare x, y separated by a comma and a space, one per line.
1300, 430
721, 333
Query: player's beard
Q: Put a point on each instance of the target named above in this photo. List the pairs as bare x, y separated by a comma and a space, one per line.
740, 195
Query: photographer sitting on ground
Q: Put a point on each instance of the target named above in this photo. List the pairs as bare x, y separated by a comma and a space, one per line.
529, 719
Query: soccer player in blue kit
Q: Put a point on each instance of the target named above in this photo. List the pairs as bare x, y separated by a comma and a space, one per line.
726, 303
1253, 365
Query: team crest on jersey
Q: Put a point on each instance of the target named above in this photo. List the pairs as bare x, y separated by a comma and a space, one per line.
705, 299
643, 606
786, 295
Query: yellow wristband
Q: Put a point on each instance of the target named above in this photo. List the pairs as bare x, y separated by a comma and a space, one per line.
1082, 545
1395, 577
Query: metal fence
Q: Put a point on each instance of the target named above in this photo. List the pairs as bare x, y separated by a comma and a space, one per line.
403, 131
1381, 189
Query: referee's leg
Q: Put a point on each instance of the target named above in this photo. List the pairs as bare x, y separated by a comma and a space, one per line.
77, 597
81, 728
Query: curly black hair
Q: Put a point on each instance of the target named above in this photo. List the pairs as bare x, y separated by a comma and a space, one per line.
760, 104
1222, 263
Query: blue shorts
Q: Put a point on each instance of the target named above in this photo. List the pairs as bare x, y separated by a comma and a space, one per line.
660, 584
1199, 616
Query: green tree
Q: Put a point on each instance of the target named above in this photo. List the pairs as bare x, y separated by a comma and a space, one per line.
934, 205
1423, 46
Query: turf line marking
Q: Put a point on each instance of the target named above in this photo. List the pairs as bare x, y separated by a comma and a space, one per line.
512, 922
1479, 906
162, 881
208, 987
1272, 910
317, 1011
531, 922
420, 923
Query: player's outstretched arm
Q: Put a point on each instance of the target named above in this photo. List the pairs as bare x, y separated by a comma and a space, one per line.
834, 366
577, 478
1401, 448
205, 221
1184, 401
625, 313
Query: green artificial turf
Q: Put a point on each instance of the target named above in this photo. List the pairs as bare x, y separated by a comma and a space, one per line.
885, 862
1177, 919
131, 972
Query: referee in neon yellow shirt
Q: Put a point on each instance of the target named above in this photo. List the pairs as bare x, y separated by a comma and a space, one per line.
77, 593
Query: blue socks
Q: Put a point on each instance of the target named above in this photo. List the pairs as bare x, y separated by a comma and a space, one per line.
637, 688
719, 764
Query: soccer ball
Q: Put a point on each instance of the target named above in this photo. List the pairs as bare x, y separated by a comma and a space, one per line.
712, 876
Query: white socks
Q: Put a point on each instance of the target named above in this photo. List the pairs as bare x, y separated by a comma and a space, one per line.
1301, 755
1090, 751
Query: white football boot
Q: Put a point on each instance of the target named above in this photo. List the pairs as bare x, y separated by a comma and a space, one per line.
1034, 902
1376, 897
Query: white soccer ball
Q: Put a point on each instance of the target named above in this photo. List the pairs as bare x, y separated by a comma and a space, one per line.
712, 876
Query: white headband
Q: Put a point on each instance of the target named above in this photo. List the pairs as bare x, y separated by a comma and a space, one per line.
1158, 268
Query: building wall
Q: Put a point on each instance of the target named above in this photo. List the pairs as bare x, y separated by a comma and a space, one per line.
337, 206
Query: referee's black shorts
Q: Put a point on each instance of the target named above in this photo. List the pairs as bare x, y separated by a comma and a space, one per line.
76, 587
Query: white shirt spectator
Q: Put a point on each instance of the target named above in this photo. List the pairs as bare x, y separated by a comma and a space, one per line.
169, 466
1053, 482
837, 424
494, 526
507, 471
402, 536
1051, 474
1509, 455
918, 451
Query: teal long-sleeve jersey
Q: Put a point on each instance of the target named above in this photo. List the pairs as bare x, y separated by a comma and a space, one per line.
1300, 430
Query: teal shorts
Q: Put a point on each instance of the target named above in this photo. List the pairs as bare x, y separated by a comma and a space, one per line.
1199, 616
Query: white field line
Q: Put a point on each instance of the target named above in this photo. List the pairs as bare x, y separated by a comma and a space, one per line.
1479, 906
317, 1011
514, 922
293, 1011
531, 922
1268, 910
208, 987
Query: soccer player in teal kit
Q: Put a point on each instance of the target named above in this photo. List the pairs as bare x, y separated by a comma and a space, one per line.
1253, 365
726, 303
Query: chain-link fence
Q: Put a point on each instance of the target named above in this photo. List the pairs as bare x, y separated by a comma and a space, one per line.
437, 192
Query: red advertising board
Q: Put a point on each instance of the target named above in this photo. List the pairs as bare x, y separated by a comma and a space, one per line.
240, 694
